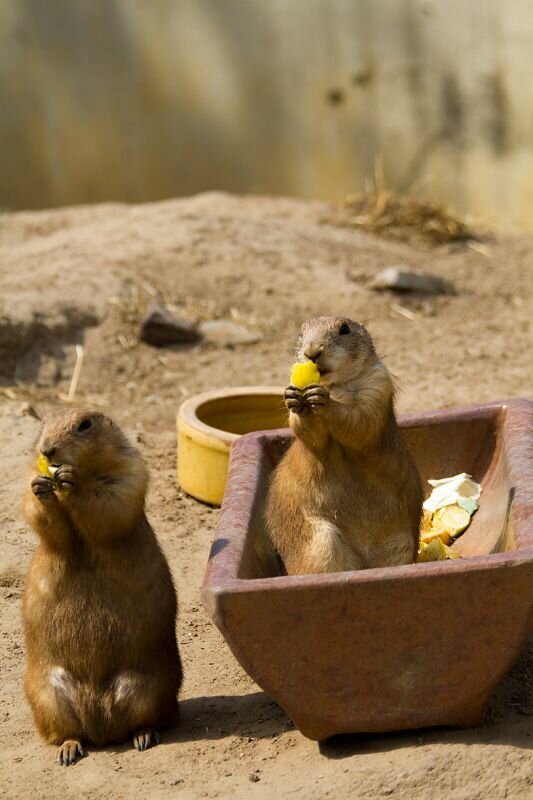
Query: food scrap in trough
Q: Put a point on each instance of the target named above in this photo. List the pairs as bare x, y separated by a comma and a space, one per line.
446, 515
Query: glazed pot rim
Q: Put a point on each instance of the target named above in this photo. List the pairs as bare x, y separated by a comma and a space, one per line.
188, 411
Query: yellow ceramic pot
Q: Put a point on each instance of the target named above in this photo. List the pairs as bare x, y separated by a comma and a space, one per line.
209, 423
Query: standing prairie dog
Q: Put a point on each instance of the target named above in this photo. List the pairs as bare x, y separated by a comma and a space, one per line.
99, 605
347, 494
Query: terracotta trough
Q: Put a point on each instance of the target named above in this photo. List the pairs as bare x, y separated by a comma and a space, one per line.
393, 648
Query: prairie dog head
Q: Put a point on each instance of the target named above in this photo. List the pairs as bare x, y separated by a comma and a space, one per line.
341, 348
87, 439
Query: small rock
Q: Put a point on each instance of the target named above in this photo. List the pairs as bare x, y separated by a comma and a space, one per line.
160, 328
27, 410
399, 279
225, 332
254, 777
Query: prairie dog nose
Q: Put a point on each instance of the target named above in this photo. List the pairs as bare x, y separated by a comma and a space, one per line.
312, 350
48, 451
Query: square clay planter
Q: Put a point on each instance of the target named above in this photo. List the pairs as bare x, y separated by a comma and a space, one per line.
392, 648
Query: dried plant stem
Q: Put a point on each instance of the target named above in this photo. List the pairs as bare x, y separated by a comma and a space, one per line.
76, 374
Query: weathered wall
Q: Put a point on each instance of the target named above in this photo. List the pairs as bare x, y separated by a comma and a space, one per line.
143, 99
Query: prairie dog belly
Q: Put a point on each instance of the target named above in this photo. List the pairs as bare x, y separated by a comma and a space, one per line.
103, 709
96, 628
363, 496
361, 534
347, 512
327, 550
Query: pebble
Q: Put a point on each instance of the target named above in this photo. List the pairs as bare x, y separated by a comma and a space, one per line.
160, 328
27, 410
401, 279
224, 332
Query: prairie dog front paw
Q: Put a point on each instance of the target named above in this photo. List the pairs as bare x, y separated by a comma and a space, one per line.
294, 399
316, 396
65, 477
42, 487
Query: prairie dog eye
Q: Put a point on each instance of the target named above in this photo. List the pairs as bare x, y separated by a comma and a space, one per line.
84, 425
344, 329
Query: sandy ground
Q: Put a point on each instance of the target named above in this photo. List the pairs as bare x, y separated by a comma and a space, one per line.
85, 275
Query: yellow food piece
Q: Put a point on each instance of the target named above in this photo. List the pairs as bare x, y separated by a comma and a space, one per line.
426, 521
435, 550
431, 551
452, 518
438, 529
445, 524
44, 466
435, 533
451, 553
304, 374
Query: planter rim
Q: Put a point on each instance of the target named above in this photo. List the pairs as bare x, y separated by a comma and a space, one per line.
189, 420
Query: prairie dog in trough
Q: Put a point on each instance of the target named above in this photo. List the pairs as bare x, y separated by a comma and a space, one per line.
347, 494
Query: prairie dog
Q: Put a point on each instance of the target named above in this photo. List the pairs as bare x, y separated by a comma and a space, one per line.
99, 606
347, 494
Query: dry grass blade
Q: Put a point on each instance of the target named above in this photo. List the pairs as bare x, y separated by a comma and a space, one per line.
70, 397
401, 217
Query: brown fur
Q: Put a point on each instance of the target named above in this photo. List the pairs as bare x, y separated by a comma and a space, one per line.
99, 606
347, 494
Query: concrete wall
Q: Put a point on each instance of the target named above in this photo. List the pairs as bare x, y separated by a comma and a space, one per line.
144, 99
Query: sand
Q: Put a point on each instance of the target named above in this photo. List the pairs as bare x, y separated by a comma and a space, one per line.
85, 275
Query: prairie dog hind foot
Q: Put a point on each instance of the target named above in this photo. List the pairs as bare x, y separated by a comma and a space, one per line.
69, 752
145, 738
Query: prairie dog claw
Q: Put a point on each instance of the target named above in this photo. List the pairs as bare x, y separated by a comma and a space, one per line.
65, 476
316, 396
42, 486
145, 738
69, 752
294, 399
